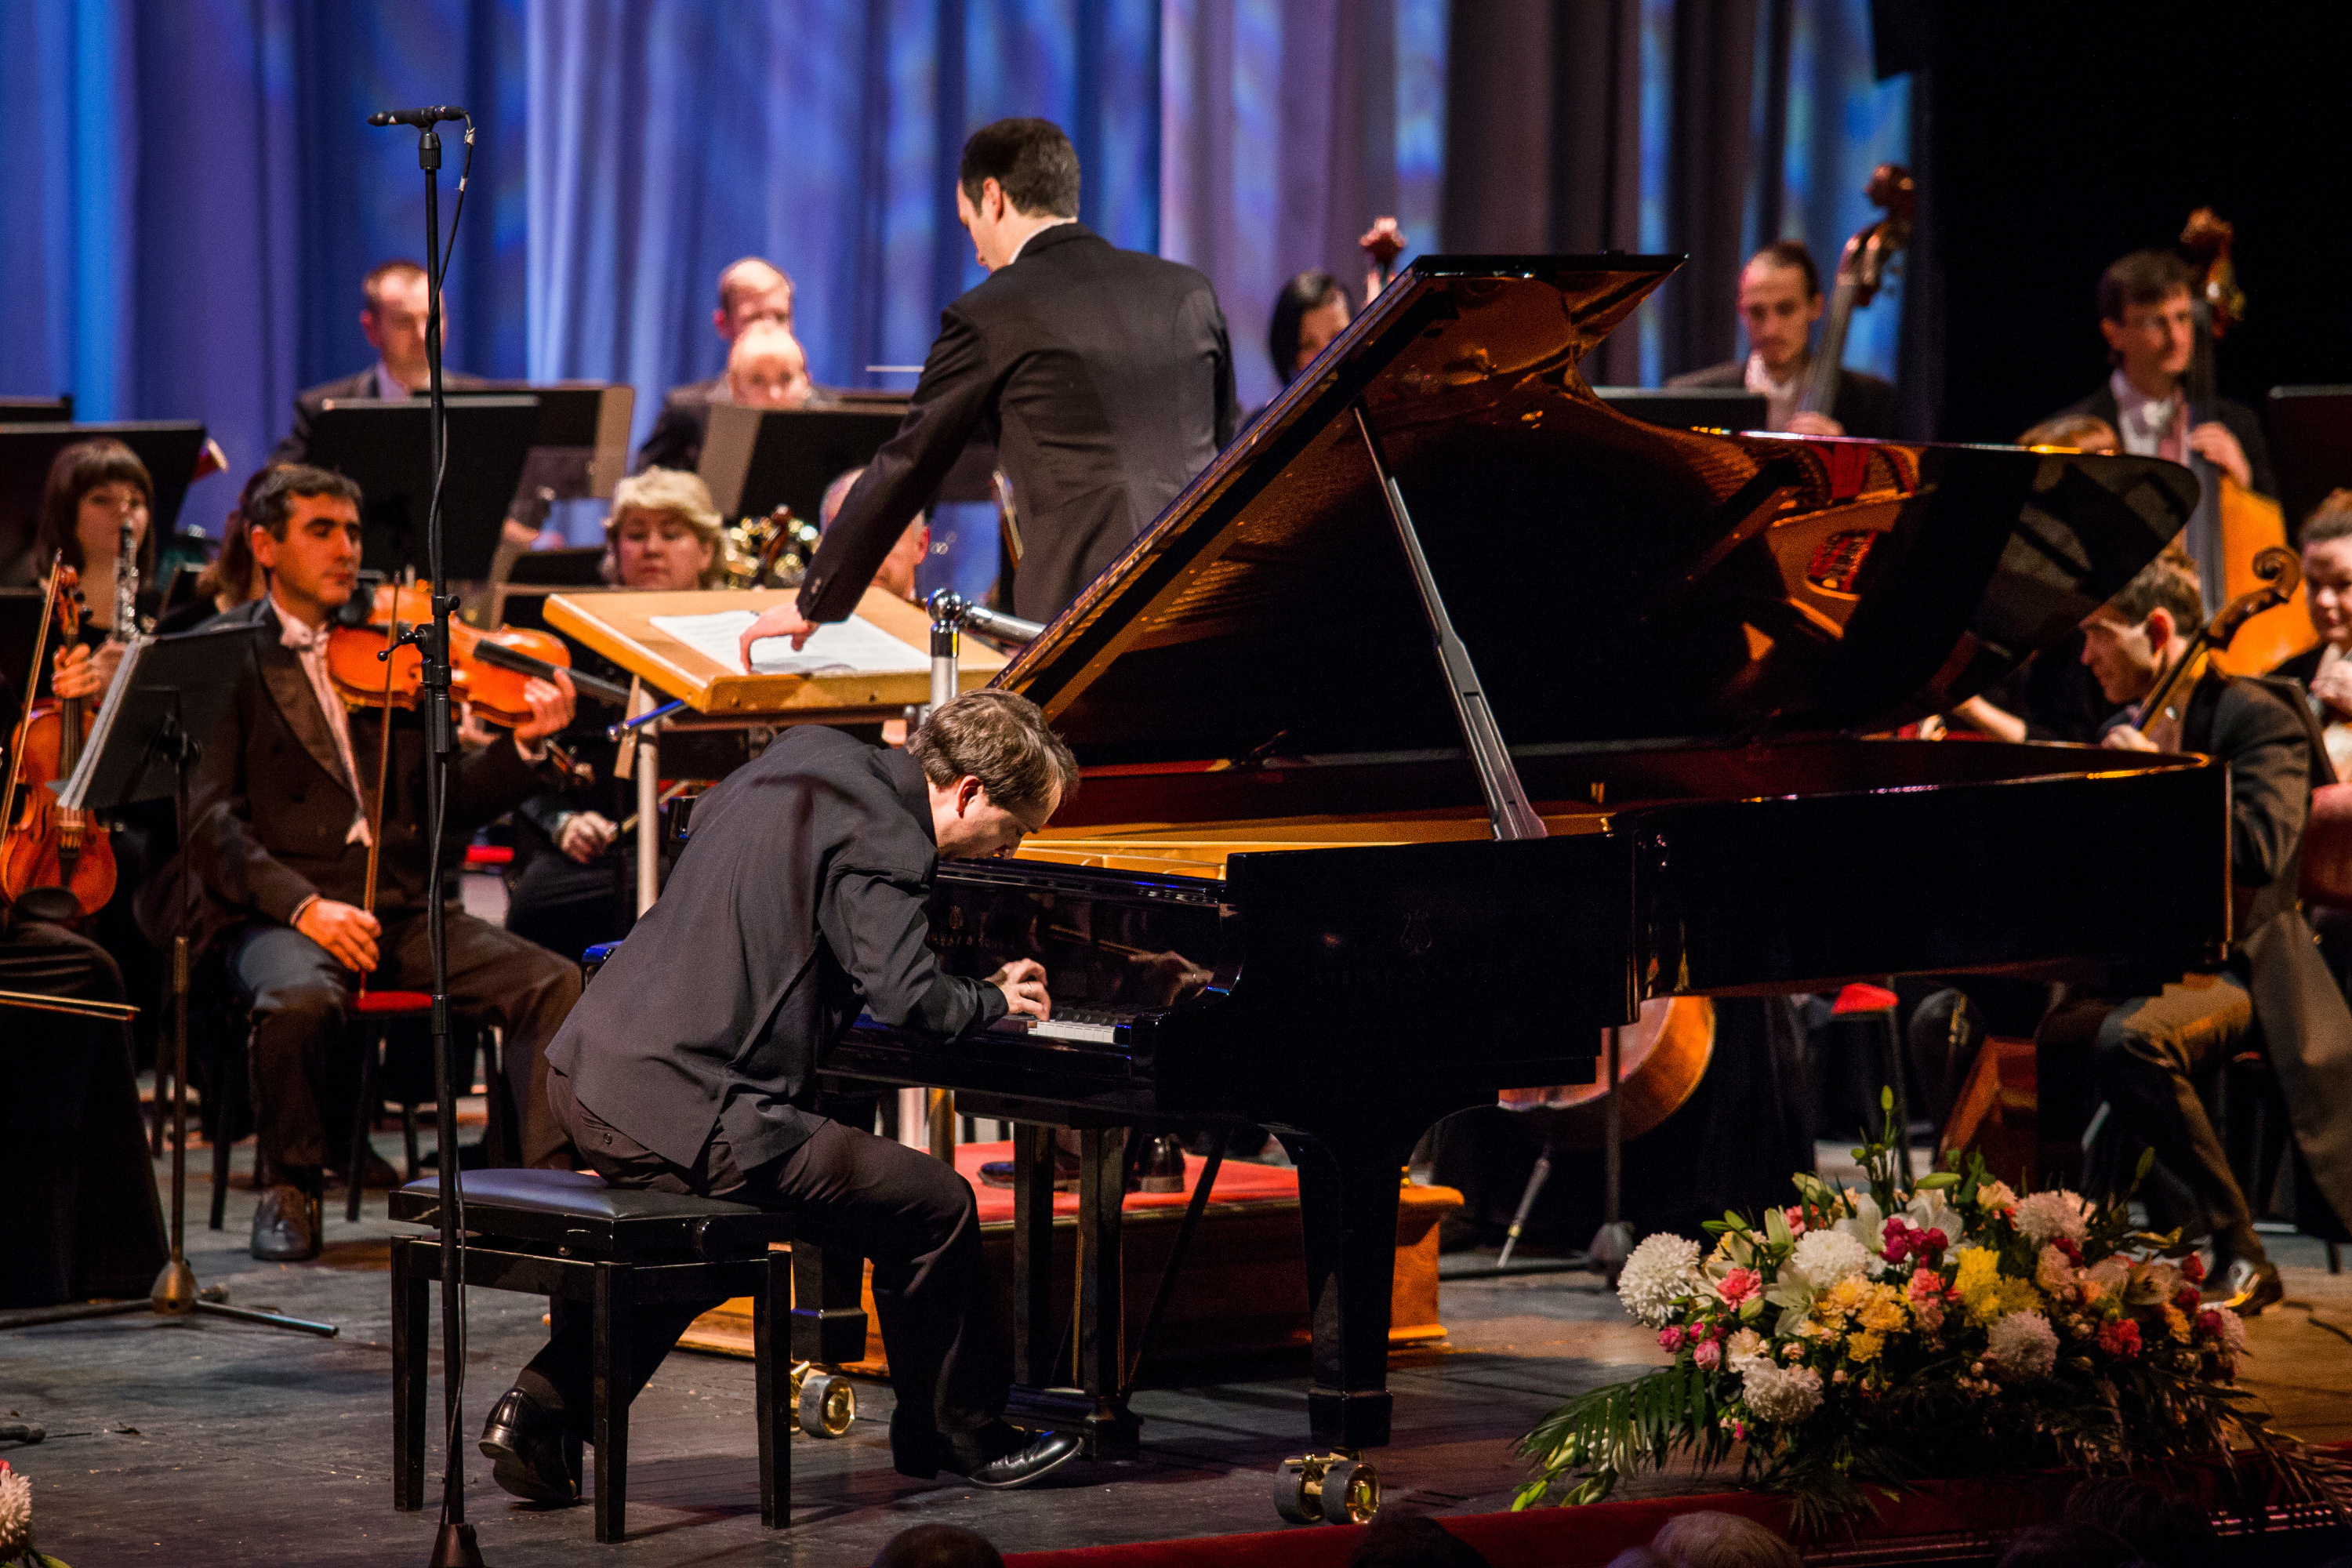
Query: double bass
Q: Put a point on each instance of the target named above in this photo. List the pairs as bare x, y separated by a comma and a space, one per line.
1862, 271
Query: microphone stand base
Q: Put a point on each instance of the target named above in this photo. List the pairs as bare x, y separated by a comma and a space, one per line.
454, 1547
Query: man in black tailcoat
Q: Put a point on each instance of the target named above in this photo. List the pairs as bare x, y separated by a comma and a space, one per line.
1103, 376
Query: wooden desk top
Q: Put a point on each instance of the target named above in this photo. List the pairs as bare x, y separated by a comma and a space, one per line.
618, 623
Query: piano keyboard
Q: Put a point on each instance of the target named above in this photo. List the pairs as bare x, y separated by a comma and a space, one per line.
1075, 1026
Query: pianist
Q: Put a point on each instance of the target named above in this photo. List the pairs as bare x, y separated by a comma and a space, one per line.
688, 1062
2146, 1052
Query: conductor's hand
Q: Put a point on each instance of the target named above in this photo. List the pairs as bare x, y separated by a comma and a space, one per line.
777, 621
347, 931
551, 709
81, 673
1023, 981
584, 834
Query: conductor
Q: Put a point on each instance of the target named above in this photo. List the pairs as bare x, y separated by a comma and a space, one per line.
1104, 376
688, 1064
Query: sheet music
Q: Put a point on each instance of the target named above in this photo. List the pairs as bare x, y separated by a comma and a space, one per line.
855, 647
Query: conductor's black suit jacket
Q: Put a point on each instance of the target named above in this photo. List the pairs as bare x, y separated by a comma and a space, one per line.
1105, 381
797, 904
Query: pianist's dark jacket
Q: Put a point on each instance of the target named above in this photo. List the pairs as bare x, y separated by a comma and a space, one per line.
1105, 381
798, 903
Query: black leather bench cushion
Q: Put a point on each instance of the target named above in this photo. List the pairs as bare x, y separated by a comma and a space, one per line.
574, 1213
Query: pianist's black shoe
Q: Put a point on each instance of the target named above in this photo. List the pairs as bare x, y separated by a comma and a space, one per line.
1043, 1453
524, 1443
283, 1231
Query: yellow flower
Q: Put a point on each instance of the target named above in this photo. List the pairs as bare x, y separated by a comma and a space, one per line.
1864, 1347
2176, 1321
1842, 1300
1885, 1312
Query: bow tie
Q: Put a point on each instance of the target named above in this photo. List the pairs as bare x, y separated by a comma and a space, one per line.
293, 634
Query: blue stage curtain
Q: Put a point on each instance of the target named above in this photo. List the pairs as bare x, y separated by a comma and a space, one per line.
200, 195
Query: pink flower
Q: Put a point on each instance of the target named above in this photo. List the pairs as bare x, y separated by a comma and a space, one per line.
1670, 1338
1703, 1334
1739, 1431
2186, 1299
2192, 1268
1739, 1285
1708, 1355
2120, 1337
1795, 1214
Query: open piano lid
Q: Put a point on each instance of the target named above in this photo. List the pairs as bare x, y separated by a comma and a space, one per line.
1613, 581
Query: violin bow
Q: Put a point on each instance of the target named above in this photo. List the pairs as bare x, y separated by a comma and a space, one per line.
383, 775
31, 685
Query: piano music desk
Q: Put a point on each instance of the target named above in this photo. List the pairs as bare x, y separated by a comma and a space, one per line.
1242, 1290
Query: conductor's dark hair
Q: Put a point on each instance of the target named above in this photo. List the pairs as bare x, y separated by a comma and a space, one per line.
938, 1546
1003, 742
1308, 291
1792, 253
2142, 278
2164, 584
271, 505
73, 474
1030, 159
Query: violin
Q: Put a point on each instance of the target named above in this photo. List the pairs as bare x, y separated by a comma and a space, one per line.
43, 845
488, 670
2280, 574
1861, 271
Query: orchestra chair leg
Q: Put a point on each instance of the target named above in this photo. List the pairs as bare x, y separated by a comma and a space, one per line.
772, 1312
362, 1122
410, 1331
408, 1140
2334, 1258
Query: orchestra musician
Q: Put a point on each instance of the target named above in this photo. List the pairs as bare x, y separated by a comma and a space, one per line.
767, 368
1312, 308
1104, 375
749, 290
93, 489
687, 1066
2325, 669
391, 319
573, 887
2147, 1050
283, 806
897, 573
1779, 300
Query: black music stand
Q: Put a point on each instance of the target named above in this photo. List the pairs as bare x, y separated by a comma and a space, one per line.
579, 448
22, 610
755, 460
168, 699
2310, 427
57, 410
386, 449
168, 447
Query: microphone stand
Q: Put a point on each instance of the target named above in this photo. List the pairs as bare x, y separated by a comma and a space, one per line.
454, 1545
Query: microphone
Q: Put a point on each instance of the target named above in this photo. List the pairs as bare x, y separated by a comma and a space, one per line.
424, 119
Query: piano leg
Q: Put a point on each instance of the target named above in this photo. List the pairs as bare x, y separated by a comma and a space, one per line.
1111, 1432
828, 1305
1034, 1344
1349, 1208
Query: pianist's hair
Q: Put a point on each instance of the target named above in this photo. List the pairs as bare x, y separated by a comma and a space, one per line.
1792, 253
1031, 160
2330, 520
271, 505
2164, 584
1001, 740
2142, 278
73, 474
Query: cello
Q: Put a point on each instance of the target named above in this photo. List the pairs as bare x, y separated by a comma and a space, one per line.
1862, 271
2246, 523
42, 845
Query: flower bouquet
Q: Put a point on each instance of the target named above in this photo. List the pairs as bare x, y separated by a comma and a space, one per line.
16, 1549
1954, 1328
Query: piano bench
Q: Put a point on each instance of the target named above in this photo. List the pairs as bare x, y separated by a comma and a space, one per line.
608, 1251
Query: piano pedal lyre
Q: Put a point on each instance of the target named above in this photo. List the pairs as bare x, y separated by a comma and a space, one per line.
823, 1403
1337, 1488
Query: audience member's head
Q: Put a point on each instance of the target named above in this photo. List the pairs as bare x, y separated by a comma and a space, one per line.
1710, 1539
2068, 1545
2145, 315
767, 368
93, 489
938, 1546
2166, 1531
1641, 1557
392, 317
906, 557
1399, 1542
1779, 300
1312, 308
2327, 568
2080, 432
751, 290
663, 533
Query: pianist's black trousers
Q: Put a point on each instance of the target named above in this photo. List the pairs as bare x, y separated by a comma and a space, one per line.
2147, 1056
950, 1358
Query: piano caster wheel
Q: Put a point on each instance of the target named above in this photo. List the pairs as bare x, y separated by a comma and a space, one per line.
1328, 1489
823, 1403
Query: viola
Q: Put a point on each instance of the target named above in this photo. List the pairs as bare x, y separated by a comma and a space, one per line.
43, 845
488, 669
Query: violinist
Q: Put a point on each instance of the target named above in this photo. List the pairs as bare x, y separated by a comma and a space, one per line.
571, 886
1779, 300
284, 808
2324, 670
2146, 1051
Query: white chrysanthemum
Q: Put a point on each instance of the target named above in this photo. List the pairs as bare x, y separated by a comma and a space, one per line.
2234, 1333
1663, 1270
1826, 1257
2022, 1345
2046, 1216
1781, 1394
1745, 1350
15, 1512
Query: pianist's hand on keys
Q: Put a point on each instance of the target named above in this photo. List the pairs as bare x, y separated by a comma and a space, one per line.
1023, 981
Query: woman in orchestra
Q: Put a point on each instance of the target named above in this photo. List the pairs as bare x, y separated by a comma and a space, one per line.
231, 578
1312, 308
663, 532
2324, 670
95, 488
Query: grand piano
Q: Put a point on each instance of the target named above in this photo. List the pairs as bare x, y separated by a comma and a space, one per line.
1448, 716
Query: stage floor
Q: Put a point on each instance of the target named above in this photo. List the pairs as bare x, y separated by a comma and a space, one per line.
215, 1442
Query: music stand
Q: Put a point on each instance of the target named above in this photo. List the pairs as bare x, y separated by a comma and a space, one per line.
386, 449
168, 699
57, 410
755, 460
21, 612
1688, 408
168, 447
2309, 429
